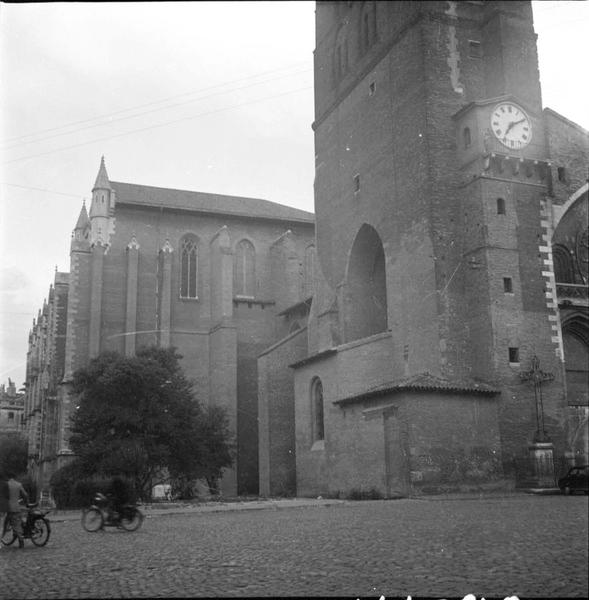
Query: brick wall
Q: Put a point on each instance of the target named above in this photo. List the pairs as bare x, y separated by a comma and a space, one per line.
568, 147
276, 415
448, 440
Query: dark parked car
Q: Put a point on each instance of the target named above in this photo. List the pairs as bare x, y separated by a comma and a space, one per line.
576, 480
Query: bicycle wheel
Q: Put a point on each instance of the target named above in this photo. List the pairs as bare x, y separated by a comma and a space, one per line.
131, 519
9, 536
92, 520
40, 531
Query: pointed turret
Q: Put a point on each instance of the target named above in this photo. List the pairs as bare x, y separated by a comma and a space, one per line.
81, 232
83, 220
102, 182
102, 207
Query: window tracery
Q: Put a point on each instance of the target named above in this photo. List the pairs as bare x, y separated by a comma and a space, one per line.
189, 267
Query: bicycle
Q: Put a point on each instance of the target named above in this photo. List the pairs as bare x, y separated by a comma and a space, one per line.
100, 515
34, 525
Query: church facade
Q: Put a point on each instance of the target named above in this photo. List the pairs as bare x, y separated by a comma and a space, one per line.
427, 329
204, 273
447, 340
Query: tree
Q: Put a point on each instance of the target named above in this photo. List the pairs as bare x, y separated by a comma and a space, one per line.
138, 417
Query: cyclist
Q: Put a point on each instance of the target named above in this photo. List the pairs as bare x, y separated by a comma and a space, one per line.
15, 492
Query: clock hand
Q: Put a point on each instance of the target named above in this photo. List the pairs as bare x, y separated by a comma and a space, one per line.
513, 124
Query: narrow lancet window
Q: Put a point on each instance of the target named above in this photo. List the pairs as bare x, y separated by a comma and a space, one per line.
189, 268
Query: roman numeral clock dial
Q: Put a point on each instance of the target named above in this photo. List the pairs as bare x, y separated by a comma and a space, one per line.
511, 125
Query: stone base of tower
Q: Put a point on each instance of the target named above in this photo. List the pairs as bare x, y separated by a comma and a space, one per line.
383, 437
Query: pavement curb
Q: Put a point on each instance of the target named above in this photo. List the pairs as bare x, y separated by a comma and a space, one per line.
157, 510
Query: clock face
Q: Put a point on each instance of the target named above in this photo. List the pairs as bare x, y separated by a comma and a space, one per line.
511, 125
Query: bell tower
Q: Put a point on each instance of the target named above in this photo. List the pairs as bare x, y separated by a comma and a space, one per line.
431, 168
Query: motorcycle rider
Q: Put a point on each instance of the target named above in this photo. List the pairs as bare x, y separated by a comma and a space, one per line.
118, 496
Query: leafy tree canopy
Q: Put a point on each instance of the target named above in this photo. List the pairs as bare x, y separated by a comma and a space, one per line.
137, 416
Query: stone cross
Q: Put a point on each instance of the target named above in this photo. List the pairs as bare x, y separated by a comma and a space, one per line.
538, 377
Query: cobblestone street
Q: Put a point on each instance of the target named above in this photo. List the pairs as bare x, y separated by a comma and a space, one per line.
520, 545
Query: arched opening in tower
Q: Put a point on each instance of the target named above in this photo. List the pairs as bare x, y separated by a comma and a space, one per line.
366, 293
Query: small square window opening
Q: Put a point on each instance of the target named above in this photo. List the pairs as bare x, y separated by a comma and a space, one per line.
514, 355
508, 285
466, 137
475, 50
562, 175
500, 206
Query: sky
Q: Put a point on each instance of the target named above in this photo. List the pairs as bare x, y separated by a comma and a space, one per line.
204, 96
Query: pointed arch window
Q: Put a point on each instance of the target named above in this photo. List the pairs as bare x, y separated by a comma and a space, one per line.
244, 273
189, 267
318, 426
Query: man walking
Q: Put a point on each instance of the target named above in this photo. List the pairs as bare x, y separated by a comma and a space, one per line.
15, 492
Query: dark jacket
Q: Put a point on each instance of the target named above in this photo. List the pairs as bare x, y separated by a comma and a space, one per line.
3, 496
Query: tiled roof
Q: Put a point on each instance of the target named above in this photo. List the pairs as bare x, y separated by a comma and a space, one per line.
129, 193
422, 382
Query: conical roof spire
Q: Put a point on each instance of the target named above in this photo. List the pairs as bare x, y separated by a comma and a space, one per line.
83, 219
102, 181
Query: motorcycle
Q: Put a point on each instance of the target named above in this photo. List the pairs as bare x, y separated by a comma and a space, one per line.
101, 514
34, 525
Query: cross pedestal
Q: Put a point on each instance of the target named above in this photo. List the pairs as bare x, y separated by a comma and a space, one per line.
542, 461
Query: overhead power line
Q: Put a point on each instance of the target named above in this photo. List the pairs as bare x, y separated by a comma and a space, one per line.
28, 187
146, 112
158, 125
167, 99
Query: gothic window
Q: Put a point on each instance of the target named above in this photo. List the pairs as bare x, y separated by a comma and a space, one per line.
575, 338
368, 32
244, 272
318, 428
563, 264
189, 267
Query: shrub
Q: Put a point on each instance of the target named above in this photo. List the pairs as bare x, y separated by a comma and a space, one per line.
72, 488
